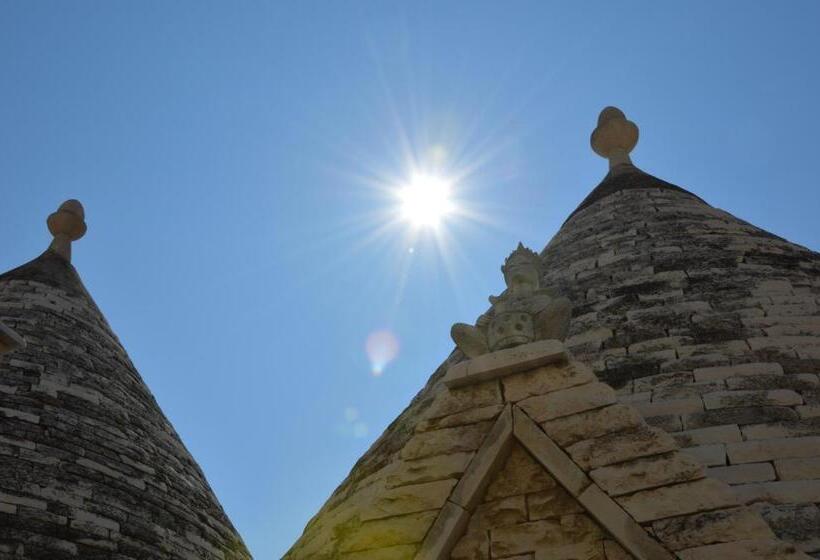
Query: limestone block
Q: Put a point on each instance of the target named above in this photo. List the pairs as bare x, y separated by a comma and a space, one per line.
592, 424
711, 455
593, 550
408, 499
546, 379
711, 527
794, 523
519, 475
680, 499
779, 492
400, 552
662, 380
740, 416
438, 467
506, 362
731, 399
474, 545
724, 372
759, 343
614, 551
568, 401
650, 472
620, 446
543, 535
497, 513
594, 336
705, 436
798, 469
809, 411
694, 390
471, 416
451, 401
767, 450
743, 474
554, 502
380, 533
761, 549
667, 422
670, 407
444, 441
803, 427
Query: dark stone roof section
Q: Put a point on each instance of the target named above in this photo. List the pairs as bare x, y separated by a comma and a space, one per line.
633, 178
89, 466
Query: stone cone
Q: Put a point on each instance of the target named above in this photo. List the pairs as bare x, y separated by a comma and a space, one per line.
90, 468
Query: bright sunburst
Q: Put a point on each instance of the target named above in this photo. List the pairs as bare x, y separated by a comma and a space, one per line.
425, 200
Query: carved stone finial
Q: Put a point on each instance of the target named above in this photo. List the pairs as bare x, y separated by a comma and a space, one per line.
67, 224
614, 137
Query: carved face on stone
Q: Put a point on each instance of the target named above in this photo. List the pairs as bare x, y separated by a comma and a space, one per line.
522, 268
510, 329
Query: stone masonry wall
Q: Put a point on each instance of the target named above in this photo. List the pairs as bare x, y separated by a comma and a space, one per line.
710, 327
89, 466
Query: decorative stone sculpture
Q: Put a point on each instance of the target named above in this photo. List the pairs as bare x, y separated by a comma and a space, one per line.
614, 138
524, 313
67, 224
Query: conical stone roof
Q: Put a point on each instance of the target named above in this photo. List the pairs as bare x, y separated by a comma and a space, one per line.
705, 327
89, 465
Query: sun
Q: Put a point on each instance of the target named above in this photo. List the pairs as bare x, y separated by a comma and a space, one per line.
425, 200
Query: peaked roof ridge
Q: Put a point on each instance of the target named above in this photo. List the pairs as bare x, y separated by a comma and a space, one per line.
627, 177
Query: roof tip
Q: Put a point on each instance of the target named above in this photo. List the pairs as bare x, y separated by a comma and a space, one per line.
67, 224
614, 138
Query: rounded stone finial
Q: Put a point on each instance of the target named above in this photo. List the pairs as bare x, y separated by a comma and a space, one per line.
614, 137
67, 224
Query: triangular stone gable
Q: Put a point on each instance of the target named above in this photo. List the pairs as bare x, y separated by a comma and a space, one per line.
525, 510
634, 488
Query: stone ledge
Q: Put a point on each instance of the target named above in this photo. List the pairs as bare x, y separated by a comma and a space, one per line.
506, 362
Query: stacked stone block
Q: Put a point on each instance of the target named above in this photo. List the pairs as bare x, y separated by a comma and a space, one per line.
710, 328
89, 466
526, 455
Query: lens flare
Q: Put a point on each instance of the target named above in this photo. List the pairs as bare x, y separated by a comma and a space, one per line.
381, 347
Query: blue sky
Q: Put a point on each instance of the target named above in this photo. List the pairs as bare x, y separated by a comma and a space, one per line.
236, 161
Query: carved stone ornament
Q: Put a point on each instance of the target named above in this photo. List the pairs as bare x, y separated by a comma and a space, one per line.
524, 313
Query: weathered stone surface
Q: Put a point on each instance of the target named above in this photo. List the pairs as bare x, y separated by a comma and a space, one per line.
798, 469
650, 472
497, 513
89, 465
591, 424
519, 475
474, 545
740, 416
731, 399
742, 474
400, 552
680, 499
452, 401
408, 499
464, 418
766, 450
706, 436
724, 372
779, 492
712, 455
568, 401
543, 535
620, 446
763, 549
438, 467
794, 523
711, 527
445, 532
445, 441
506, 362
554, 502
545, 380
381, 533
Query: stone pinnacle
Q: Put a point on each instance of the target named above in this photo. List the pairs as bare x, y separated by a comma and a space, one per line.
614, 138
67, 224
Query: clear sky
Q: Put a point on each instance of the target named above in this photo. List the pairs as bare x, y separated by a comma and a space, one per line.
239, 163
